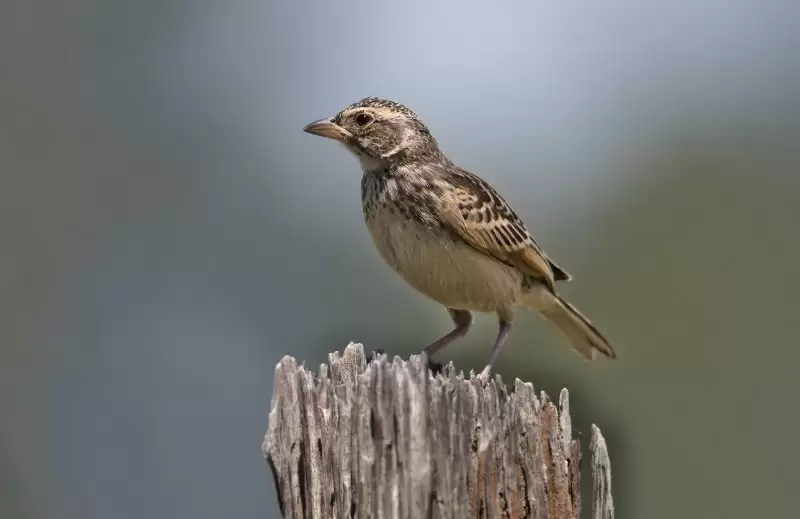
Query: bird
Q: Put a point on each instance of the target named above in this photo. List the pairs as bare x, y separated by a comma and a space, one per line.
448, 233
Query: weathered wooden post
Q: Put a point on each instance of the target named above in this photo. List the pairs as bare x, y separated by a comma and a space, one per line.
386, 439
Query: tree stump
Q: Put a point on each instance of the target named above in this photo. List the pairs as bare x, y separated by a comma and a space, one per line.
386, 439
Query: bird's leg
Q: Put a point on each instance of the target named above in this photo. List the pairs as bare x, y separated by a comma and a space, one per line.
505, 327
463, 321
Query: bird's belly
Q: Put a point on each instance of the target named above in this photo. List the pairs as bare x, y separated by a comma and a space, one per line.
442, 267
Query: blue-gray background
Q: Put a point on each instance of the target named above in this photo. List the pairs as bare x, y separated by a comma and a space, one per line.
168, 232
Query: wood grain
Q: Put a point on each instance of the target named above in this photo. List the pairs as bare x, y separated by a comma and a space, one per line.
385, 439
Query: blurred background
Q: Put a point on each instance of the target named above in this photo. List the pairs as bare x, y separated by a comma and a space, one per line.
168, 233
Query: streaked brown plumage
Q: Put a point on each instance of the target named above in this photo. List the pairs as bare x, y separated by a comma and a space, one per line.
447, 232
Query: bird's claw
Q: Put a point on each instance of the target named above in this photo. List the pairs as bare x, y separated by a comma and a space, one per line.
485, 375
435, 367
371, 356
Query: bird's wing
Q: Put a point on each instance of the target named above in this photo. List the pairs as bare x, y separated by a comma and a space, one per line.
480, 216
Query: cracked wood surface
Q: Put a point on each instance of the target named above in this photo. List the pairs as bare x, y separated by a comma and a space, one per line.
384, 439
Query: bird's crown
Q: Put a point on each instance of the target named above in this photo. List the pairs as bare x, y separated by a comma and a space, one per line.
378, 103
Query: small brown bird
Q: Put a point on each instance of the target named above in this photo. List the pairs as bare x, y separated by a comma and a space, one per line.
447, 232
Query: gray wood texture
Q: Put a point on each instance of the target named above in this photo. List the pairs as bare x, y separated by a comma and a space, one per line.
385, 439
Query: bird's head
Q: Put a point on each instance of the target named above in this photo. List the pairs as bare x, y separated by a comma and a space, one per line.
379, 132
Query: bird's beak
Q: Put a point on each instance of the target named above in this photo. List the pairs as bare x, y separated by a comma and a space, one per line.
327, 128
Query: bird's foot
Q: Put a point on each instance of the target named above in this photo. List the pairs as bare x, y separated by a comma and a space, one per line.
435, 367
371, 356
485, 375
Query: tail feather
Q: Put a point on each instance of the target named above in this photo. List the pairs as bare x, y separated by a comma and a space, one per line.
583, 336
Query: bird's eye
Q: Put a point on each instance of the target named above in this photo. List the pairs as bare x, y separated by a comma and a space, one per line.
363, 119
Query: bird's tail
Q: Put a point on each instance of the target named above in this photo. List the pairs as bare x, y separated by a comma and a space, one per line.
582, 335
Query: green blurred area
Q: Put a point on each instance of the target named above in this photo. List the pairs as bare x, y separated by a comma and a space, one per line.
168, 233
